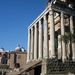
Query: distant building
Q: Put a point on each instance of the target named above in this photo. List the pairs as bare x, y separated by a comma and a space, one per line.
18, 56
3, 56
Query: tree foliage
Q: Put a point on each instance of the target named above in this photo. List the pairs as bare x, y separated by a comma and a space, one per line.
5, 67
67, 37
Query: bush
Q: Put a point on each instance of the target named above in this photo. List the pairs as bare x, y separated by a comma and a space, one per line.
5, 67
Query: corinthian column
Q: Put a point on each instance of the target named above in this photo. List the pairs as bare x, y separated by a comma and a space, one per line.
59, 47
52, 35
32, 43
62, 33
40, 40
35, 42
71, 29
45, 52
28, 54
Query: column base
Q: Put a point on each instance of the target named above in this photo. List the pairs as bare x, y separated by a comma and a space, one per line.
45, 57
40, 58
42, 74
53, 56
30, 60
63, 59
73, 58
27, 61
35, 59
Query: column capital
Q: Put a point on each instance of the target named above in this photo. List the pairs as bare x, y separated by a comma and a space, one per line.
32, 30
51, 12
40, 24
62, 14
71, 17
35, 25
39, 21
29, 31
45, 17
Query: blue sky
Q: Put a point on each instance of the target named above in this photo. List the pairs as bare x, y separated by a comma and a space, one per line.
15, 17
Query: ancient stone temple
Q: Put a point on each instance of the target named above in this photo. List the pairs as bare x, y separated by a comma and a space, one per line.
47, 54
45, 31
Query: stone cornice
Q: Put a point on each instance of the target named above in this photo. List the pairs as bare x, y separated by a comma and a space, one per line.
68, 11
55, 8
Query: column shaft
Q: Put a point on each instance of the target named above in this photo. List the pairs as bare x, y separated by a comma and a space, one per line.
32, 43
35, 42
28, 54
45, 52
52, 34
59, 47
62, 33
40, 40
71, 29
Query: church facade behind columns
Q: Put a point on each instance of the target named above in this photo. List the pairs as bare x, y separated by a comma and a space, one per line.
46, 30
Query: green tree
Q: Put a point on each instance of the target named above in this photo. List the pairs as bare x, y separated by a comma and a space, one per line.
65, 38
69, 36
5, 67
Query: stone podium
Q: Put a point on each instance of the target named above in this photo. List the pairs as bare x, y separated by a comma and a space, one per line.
57, 67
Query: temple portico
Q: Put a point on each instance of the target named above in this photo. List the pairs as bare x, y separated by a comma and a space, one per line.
45, 31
